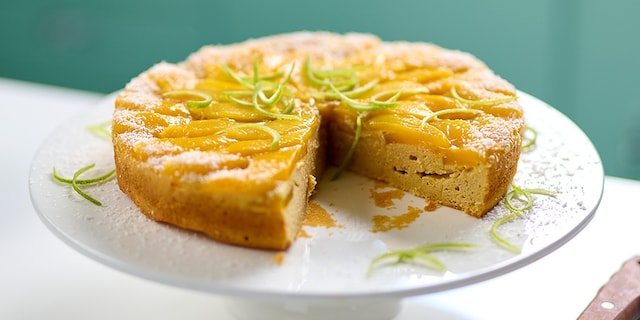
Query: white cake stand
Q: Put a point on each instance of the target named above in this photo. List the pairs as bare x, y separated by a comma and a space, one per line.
324, 275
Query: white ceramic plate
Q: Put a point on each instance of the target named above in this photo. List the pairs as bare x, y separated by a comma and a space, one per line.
331, 262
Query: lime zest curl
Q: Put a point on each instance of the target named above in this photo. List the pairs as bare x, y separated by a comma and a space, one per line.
96, 180
500, 240
420, 255
245, 82
101, 129
323, 78
76, 183
529, 140
205, 99
275, 135
354, 93
256, 105
347, 158
333, 73
373, 105
263, 92
515, 211
399, 93
442, 112
275, 97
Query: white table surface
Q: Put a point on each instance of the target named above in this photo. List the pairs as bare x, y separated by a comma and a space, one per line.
43, 278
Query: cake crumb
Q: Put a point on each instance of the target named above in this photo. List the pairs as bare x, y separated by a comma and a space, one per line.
431, 205
383, 223
303, 233
384, 199
317, 216
278, 258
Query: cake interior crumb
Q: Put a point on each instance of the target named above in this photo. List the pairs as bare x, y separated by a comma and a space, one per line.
278, 258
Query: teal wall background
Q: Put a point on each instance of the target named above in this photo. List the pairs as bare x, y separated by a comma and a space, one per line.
582, 57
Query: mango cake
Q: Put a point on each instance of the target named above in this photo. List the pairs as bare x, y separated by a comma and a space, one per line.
232, 141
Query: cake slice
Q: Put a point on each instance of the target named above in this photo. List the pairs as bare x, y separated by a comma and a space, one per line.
226, 175
452, 134
231, 141
237, 171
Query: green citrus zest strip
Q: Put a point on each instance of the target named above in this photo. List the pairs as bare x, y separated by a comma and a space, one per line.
529, 140
101, 130
352, 149
256, 74
205, 99
344, 90
399, 93
256, 105
75, 182
242, 81
455, 95
419, 255
389, 103
289, 106
351, 93
258, 95
374, 105
103, 178
323, 77
334, 73
498, 238
275, 135
516, 211
268, 77
449, 111
275, 97
229, 95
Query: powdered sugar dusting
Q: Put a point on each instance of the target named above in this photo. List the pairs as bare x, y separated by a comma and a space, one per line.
210, 159
117, 234
133, 138
430, 56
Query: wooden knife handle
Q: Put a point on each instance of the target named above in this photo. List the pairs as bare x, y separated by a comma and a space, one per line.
619, 298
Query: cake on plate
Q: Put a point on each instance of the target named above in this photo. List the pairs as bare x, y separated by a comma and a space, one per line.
232, 141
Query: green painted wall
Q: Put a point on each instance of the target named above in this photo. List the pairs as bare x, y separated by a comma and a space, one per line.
580, 56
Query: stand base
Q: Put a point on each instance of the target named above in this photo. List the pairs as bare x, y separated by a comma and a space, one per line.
334, 309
